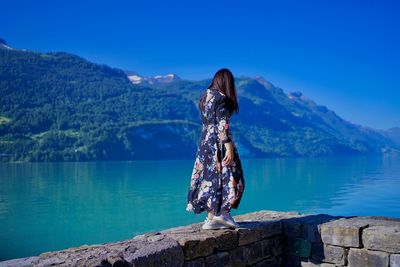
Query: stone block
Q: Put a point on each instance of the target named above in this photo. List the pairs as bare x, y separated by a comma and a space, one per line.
270, 228
238, 256
291, 260
249, 232
253, 231
270, 262
367, 258
316, 264
218, 259
266, 215
311, 226
311, 232
246, 255
306, 226
383, 238
395, 260
297, 247
190, 228
329, 253
343, 232
292, 228
140, 251
52, 261
253, 253
195, 244
199, 262
225, 239
272, 246
20, 262
165, 252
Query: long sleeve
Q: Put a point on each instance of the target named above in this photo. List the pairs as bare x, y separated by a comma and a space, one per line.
222, 116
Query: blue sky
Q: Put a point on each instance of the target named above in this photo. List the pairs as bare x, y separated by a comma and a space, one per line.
342, 54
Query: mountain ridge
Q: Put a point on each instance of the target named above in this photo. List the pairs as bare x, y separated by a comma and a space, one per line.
60, 107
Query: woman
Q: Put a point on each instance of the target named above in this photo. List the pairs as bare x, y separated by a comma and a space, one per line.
217, 181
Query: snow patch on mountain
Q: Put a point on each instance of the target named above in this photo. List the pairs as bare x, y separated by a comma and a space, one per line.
135, 78
3, 44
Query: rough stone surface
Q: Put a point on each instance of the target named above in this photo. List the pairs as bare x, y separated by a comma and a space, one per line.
311, 226
219, 259
253, 253
138, 251
249, 233
316, 264
264, 238
251, 230
328, 253
270, 228
20, 262
269, 262
237, 256
272, 246
225, 240
266, 215
297, 247
247, 255
154, 253
290, 260
367, 258
194, 241
199, 262
292, 228
395, 260
383, 238
343, 232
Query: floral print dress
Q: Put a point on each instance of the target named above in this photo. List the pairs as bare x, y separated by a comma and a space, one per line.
213, 185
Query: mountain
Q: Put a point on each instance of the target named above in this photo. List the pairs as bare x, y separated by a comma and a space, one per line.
3, 44
135, 78
393, 134
60, 107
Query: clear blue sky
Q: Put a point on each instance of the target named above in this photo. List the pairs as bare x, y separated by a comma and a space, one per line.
342, 54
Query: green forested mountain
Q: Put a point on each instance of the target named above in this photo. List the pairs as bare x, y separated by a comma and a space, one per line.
60, 107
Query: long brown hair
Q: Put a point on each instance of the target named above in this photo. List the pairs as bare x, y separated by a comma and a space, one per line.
224, 82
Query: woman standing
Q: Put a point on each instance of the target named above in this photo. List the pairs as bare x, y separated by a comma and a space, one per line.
217, 181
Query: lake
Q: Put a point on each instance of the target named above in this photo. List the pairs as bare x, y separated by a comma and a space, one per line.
52, 206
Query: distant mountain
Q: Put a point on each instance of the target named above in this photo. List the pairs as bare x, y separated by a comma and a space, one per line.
57, 107
3, 44
392, 133
135, 78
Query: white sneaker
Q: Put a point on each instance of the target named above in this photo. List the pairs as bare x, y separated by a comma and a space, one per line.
212, 225
226, 219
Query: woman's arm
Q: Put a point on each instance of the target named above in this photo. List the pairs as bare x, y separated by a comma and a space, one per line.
224, 134
228, 159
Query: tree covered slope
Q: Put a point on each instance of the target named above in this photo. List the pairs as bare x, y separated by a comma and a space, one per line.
60, 107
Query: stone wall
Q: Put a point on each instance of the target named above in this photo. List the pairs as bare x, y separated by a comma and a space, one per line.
265, 238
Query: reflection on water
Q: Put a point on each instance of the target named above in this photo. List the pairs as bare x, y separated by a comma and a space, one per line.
335, 185
51, 206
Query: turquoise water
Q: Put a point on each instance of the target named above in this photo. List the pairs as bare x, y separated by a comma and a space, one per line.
51, 206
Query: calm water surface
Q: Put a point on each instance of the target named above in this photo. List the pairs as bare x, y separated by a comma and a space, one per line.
51, 206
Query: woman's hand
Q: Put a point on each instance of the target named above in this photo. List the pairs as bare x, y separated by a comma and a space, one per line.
228, 159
